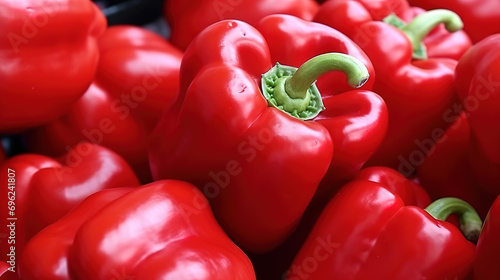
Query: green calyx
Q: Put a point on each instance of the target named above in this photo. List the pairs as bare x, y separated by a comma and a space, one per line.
294, 91
470, 222
417, 29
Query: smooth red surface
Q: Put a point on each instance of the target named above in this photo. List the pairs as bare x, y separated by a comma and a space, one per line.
481, 17
275, 263
221, 133
137, 78
366, 232
446, 170
418, 94
488, 248
466, 160
478, 85
356, 118
347, 16
357, 121
37, 262
409, 191
163, 230
258, 165
188, 18
4, 267
46, 189
49, 57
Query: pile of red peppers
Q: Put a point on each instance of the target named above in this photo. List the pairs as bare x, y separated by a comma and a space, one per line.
298, 139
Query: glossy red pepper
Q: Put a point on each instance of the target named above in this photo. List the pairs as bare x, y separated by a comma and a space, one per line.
366, 232
38, 263
44, 42
446, 170
488, 248
4, 267
466, 161
222, 134
409, 191
478, 87
417, 91
481, 17
136, 79
38, 190
163, 230
348, 15
188, 18
273, 264
356, 119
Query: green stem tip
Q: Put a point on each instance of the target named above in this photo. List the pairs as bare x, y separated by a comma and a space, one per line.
417, 29
294, 91
470, 222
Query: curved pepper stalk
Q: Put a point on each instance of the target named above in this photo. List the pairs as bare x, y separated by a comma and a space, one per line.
481, 17
348, 17
260, 167
366, 230
293, 90
470, 222
417, 29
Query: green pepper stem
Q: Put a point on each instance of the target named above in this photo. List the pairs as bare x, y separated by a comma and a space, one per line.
294, 91
470, 222
421, 25
356, 72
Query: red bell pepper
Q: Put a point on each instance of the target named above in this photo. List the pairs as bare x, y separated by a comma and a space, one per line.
221, 134
188, 18
356, 119
488, 248
136, 79
163, 230
4, 267
466, 161
272, 265
415, 119
409, 191
49, 57
37, 190
366, 232
478, 87
35, 263
481, 17
348, 15
446, 170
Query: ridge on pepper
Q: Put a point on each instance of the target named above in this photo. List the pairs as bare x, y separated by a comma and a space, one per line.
49, 57
222, 136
